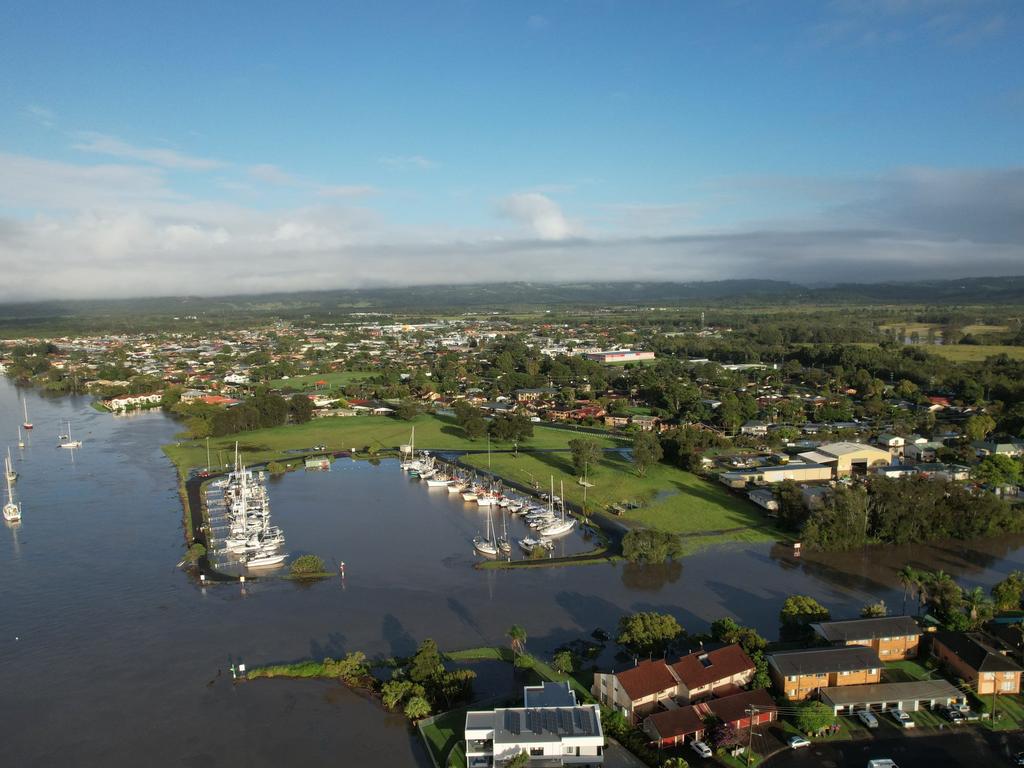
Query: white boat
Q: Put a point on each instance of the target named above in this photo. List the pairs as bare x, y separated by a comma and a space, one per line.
486, 546
69, 442
263, 559
456, 487
9, 472
529, 544
469, 495
502, 541
560, 526
12, 509
438, 481
21, 440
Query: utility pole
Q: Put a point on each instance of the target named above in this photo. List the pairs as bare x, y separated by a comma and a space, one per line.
751, 710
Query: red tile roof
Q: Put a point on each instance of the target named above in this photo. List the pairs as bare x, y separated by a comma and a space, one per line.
647, 678
733, 709
719, 664
676, 722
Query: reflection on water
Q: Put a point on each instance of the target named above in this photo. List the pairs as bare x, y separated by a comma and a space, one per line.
119, 652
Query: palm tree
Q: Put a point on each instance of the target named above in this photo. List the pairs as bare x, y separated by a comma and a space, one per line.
910, 579
517, 638
978, 604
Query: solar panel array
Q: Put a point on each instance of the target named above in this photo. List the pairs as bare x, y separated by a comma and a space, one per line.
564, 721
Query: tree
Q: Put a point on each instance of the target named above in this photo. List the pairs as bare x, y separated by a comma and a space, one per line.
519, 761
647, 545
301, 408
353, 667
417, 708
407, 410
874, 610
517, 639
998, 470
307, 565
978, 426
586, 453
474, 427
563, 662
675, 762
723, 736
910, 581
726, 630
426, 665
646, 451
798, 612
648, 631
979, 606
1007, 593
813, 717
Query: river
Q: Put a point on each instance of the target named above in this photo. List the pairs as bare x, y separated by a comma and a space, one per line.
109, 653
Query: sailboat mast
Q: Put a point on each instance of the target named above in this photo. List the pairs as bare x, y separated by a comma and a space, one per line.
561, 497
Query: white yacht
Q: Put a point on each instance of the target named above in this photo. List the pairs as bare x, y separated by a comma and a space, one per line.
12, 509
69, 442
487, 546
9, 472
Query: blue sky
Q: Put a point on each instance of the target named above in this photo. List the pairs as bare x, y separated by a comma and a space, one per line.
391, 142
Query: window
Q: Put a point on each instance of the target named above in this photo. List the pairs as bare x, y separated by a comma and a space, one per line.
791, 693
536, 751
989, 675
791, 678
873, 671
844, 673
1008, 686
884, 652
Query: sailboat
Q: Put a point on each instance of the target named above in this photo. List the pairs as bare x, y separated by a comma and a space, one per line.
9, 472
27, 424
69, 442
486, 546
562, 526
12, 510
21, 440
503, 544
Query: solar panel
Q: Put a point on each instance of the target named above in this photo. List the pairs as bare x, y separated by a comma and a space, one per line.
512, 722
565, 721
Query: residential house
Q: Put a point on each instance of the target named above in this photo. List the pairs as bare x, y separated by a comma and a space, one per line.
551, 727
123, 403
891, 637
972, 657
895, 444
758, 428
800, 675
535, 394
765, 499
922, 452
674, 726
998, 447
643, 689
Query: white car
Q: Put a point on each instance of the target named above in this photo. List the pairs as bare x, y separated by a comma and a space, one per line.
884, 762
701, 748
902, 718
797, 742
867, 718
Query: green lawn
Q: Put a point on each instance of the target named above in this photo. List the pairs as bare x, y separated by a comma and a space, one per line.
579, 681
345, 433
672, 500
906, 671
444, 734
974, 353
334, 379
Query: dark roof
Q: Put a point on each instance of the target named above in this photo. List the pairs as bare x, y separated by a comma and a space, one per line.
676, 722
646, 678
877, 693
703, 667
976, 652
732, 709
521, 724
549, 694
867, 629
818, 661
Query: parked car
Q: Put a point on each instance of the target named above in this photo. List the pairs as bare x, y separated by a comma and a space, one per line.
867, 718
955, 716
1018, 759
797, 742
902, 718
701, 748
883, 762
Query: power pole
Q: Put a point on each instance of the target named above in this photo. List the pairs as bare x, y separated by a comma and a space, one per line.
751, 710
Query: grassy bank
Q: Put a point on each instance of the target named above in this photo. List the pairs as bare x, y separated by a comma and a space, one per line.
671, 499
303, 669
379, 433
334, 380
974, 353
443, 734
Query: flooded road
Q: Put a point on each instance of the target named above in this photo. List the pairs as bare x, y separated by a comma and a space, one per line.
108, 653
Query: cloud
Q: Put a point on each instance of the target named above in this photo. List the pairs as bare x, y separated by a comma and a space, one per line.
89, 231
539, 212
103, 144
44, 116
408, 161
536, 21
271, 174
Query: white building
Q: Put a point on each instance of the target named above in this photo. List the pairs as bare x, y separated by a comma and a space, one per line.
128, 402
551, 727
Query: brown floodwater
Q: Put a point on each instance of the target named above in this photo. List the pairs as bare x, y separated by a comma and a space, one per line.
108, 652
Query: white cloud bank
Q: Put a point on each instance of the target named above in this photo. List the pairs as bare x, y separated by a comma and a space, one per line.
115, 230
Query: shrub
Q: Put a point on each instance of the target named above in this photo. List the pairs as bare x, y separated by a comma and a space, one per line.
307, 565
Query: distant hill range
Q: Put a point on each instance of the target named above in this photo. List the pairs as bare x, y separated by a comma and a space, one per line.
506, 296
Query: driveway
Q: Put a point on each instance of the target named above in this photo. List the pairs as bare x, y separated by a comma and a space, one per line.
617, 756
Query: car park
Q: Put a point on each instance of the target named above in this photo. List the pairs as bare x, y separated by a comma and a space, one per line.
798, 742
902, 718
867, 718
701, 748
